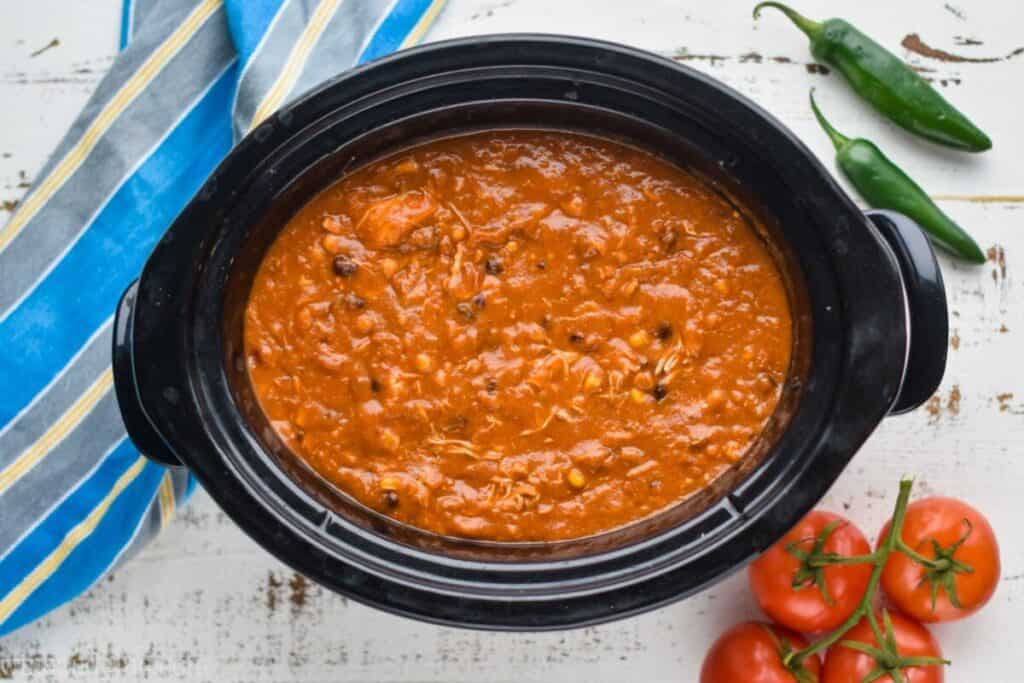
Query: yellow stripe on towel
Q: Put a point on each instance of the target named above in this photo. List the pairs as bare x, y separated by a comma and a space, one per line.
13, 600
296, 61
114, 108
57, 431
421, 27
166, 500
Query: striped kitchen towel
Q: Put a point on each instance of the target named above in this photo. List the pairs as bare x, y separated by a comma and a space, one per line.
193, 77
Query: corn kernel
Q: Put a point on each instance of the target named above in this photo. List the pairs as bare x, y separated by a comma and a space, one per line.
332, 244
389, 439
722, 286
396, 386
576, 478
364, 323
424, 363
639, 339
512, 247
459, 233
388, 266
389, 484
638, 397
716, 397
592, 382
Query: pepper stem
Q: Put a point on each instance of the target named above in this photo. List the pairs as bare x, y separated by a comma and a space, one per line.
811, 28
838, 139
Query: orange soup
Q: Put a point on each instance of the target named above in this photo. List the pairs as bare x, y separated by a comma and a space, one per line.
519, 335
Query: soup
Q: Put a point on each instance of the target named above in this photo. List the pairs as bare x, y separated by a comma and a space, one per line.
519, 335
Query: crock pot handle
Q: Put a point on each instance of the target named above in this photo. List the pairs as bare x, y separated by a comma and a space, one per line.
928, 318
140, 429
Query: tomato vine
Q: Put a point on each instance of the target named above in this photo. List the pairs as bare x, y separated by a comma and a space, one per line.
939, 571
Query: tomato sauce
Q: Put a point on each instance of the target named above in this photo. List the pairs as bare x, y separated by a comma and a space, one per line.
519, 335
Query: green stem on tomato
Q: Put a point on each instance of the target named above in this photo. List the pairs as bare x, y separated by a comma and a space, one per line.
834, 559
918, 557
924, 661
875, 628
795, 660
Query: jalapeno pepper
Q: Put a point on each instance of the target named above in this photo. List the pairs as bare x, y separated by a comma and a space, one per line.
885, 186
885, 81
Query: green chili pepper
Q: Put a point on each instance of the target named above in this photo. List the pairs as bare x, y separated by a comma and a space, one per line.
884, 186
886, 82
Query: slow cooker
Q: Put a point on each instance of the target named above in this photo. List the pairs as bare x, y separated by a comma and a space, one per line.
866, 292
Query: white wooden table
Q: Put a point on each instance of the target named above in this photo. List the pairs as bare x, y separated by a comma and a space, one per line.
204, 603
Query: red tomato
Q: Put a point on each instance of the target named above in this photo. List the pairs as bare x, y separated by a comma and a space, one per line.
909, 584
751, 652
846, 665
804, 608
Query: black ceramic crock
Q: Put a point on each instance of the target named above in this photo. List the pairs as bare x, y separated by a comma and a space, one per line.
868, 301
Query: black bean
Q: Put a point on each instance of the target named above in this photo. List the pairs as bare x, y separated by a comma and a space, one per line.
542, 265
344, 266
493, 266
391, 499
466, 311
660, 391
479, 301
374, 385
492, 384
575, 337
545, 321
664, 331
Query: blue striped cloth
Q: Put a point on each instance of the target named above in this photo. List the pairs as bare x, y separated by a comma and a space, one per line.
76, 497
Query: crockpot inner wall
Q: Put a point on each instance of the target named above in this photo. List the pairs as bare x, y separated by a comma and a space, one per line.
320, 161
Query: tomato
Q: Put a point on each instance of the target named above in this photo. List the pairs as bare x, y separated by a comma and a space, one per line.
947, 522
805, 608
846, 665
752, 652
